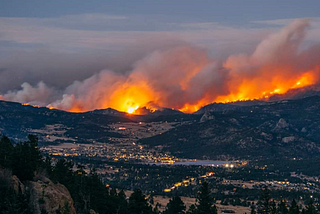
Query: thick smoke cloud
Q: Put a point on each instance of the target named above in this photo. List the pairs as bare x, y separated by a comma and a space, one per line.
38, 95
186, 77
276, 63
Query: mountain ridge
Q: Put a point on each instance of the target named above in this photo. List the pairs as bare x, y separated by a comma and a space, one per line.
289, 128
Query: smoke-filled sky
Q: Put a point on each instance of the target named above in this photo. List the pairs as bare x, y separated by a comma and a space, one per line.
82, 55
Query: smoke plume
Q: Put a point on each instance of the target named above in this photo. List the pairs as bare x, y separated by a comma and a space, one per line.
186, 77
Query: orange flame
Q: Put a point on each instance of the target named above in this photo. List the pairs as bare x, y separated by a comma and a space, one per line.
131, 96
186, 78
258, 89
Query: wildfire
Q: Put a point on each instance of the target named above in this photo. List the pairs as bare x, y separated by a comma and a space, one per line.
187, 78
131, 110
258, 89
129, 97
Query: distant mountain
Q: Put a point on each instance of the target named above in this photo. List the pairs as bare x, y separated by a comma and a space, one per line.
147, 115
249, 130
288, 128
143, 112
292, 94
56, 126
18, 120
109, 111
298, 93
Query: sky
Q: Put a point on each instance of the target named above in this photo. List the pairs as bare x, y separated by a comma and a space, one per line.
59, 42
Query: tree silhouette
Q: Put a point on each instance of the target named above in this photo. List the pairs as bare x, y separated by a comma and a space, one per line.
192, 209
294, 208
175, 206
273, 208
253, 209
264, 202
205, 201
138, 203
310, 208
6, 150
26, 159
282, 208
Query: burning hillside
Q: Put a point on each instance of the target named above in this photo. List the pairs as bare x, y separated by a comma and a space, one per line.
187, 78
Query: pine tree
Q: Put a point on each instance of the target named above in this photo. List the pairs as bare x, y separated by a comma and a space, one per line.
26, 158
264, 202
205, 201
273, 209
282, 208
6, 150
122, 203
138, 203
311, 209
175, 206
192, 209
294, 208
253, 209
62, 172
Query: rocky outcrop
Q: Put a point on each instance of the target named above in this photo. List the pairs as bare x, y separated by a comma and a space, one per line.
288, 139
9, 180
207, 116
282, 124
50, 197
42, 194
17, 185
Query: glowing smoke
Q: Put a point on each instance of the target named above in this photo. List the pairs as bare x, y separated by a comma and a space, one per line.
186, 78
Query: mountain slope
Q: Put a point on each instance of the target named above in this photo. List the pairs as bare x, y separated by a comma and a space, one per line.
284, 128
218, 131
17, 121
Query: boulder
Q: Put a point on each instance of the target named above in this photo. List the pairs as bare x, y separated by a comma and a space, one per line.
207, 116
50, 197
282, 124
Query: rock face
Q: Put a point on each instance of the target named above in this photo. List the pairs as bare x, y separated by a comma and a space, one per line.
288, 139
17, 185
282, 124
207, 116
49, 197
43, 195
6, 178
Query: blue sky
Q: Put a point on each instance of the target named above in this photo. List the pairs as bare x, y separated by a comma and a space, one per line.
61, 41
203, 10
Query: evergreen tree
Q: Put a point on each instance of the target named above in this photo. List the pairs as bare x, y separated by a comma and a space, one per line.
192, 209
96, 192
63, 173
310, 208
138, 203
12, 202
264, 202
6, 151
205, 201
122, 203
294, 208
253, 209
273, 209
175, 206
282, 208
47, 166
26, 159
